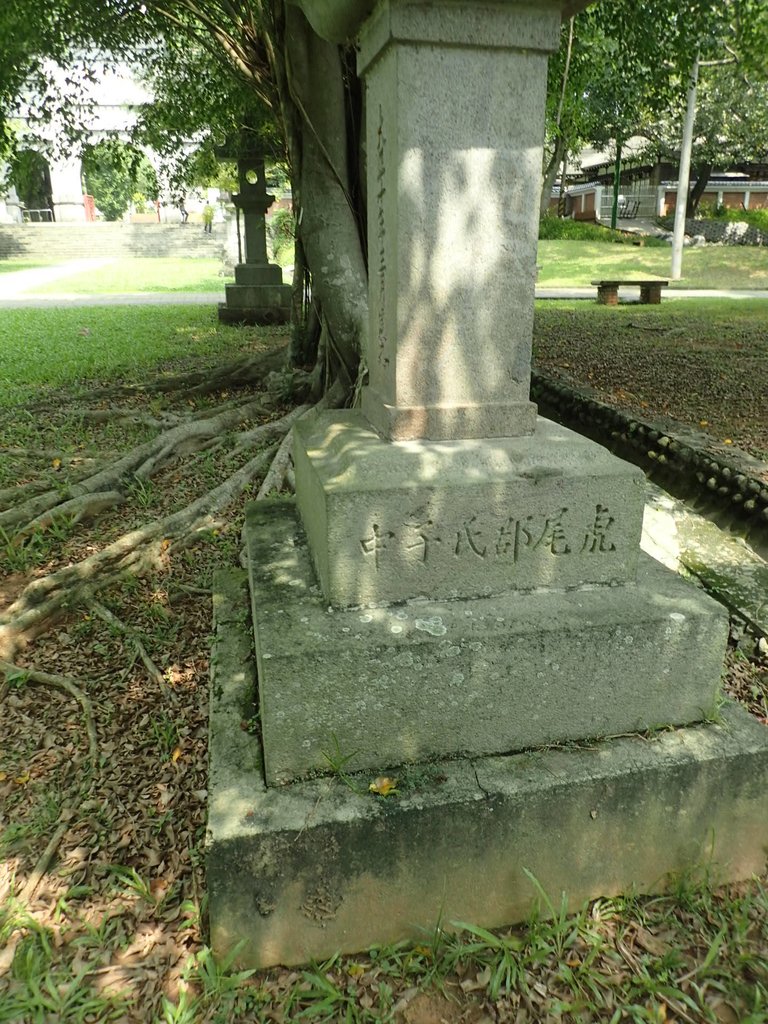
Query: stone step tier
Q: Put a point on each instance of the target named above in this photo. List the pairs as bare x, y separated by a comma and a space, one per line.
47, 242
427, 679
320, 866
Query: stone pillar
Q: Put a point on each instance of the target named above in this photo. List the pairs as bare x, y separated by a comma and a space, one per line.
455, 107
10, 208
258, 295
67, 191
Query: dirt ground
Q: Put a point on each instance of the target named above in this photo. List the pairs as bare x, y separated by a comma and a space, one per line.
708, 370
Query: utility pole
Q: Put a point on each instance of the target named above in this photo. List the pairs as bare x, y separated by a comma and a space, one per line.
616, 185
684, 176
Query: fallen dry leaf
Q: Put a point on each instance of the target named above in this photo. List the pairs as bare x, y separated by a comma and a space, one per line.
383, 786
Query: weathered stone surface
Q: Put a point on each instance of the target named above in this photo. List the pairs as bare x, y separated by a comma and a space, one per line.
728, 567
340, 20
452, 228
308, 869
430, 679
390, 522
255, 275
256, 296
256, 304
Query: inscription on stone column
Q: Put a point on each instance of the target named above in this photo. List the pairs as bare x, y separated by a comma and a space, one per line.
376, 543
469, 538
477, 537
421, 538
381, 267
597, 539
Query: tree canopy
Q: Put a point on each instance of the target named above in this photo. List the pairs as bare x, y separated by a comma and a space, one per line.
622, 71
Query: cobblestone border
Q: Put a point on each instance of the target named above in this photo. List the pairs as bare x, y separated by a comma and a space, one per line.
683, 460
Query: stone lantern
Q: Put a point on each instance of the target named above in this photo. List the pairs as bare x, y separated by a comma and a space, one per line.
258, 295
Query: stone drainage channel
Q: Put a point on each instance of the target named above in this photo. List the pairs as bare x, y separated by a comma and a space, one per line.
706, 514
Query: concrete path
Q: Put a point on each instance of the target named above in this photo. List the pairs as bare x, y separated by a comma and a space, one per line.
10, 300
17, 291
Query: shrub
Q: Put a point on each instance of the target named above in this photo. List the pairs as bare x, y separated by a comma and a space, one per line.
282, 228
755, 218
554, 228
706, 211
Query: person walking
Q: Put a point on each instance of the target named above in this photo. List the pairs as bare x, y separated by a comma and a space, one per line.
208, 218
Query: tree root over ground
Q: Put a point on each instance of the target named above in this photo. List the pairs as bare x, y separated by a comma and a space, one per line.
246, 372
44, 599
65, 685
107, 487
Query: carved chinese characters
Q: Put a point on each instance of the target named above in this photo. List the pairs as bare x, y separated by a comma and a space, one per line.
419, 540
487, 517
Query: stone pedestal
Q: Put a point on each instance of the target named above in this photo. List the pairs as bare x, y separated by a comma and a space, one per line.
462, 580
306, 870
431, 678
258, 295
393, 522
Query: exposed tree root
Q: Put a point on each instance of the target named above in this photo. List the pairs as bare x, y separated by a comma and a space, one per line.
153, 671
244, 372
12, 496
87, 506
66, 685
161, 422
273, 481
42, 453
30, 886
108, 486
45, 598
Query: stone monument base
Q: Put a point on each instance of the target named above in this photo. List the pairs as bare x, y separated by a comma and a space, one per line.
309, 869
258, 296
427, 679
387, 522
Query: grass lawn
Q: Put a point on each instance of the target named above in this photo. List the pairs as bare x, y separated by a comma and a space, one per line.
573, 264
48, 348
129, 274
102, 881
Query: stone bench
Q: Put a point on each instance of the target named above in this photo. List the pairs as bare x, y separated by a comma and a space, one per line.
608, 290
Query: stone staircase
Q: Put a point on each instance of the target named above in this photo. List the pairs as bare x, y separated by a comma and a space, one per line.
51, 242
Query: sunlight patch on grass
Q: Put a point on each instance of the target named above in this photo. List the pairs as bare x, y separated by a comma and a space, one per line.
133, 274
43, 348
573, 264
